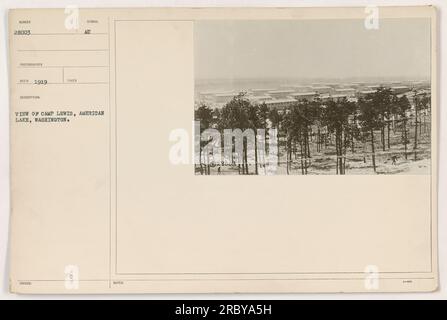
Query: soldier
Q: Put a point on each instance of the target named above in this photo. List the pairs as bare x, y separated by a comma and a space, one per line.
394, 159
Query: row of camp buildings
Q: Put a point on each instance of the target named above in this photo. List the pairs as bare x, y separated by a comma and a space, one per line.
287, 95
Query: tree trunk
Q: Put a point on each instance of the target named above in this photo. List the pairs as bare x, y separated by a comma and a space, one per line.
389, 125
421, 125
301, 157
256, 153
277, 146
341, 143
200, 159
373, 150
336, 153
308, 163
246, 159
339, 150
352, 142
415, 132
318, 140
287, 155
405, 138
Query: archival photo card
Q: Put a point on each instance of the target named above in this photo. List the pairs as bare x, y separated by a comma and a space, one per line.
322, 123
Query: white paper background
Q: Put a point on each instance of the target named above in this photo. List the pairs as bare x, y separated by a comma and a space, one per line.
4, 139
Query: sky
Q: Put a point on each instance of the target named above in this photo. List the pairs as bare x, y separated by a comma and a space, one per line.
400, 48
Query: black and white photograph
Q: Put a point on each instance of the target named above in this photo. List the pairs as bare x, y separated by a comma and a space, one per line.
317, 97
